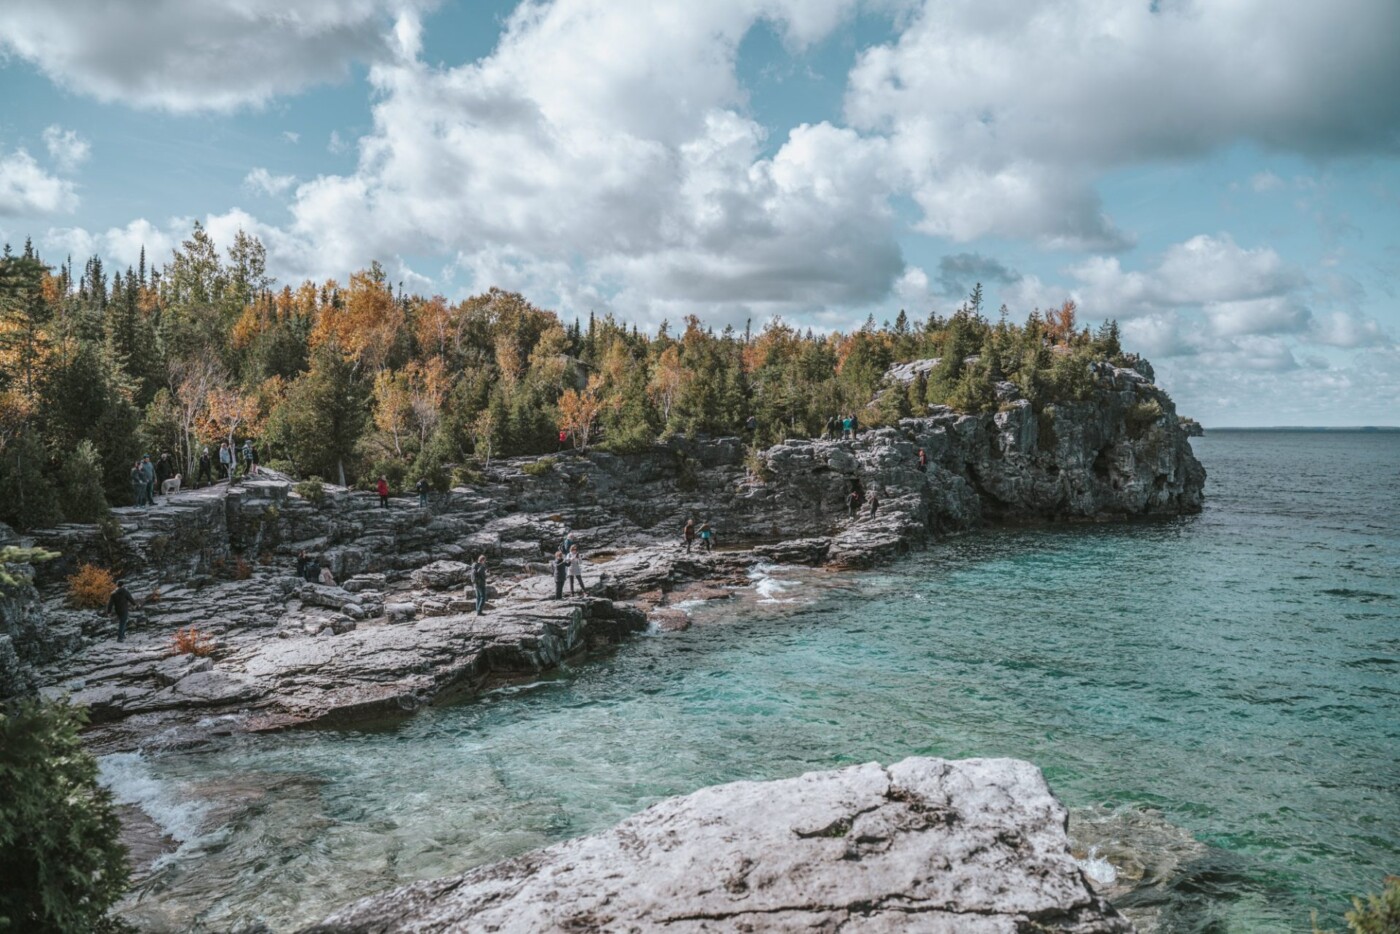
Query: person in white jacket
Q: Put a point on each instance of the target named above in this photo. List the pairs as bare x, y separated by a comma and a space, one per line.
576, 571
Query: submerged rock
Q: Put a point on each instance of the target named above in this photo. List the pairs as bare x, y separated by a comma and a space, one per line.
976, 845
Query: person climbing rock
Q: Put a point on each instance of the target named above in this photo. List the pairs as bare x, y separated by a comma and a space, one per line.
422, 488
383, 489
479, 583
206, 468
576, 571
559, 568
120, 603
688, 535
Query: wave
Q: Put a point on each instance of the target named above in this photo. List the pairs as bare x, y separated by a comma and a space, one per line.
770, 589
132, 781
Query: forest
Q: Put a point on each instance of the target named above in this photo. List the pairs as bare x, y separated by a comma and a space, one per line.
348, 382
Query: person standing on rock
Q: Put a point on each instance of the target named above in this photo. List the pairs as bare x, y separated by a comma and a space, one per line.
559, 568
226, 462
164, 471
568, 544
148, 481
846, 427
479, 583
253, 457
576, 571
120, 603
383, 489
874, 502
688, 535
923, 461
852, 503
247, 457
707, 537
138, 485
855, 426
829, 430
206, 468
422, 488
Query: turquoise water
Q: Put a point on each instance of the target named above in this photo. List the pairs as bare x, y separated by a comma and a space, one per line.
1216, 697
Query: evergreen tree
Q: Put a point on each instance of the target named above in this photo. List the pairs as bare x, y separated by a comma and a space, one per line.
27, 496
81, 480
324, 415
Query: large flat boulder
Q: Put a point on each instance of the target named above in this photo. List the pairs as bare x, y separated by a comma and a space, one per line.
928, 845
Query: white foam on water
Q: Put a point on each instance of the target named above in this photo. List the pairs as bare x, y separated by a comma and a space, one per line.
132, 781
685, 606
1099, 870
768, 587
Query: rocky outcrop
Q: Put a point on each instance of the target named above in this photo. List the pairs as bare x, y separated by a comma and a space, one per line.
974, 846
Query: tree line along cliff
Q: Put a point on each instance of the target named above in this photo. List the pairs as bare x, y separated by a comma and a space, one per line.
352, 381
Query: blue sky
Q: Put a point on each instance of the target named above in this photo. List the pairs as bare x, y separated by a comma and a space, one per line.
1222, 178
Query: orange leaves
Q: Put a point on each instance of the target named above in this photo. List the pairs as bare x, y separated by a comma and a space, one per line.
1059, 322
366, 327
578, 411
668, 378
227, 410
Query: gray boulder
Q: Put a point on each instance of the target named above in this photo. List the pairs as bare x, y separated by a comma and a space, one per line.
924, 845
442, 575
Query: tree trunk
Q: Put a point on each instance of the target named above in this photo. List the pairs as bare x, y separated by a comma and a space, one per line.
340, 469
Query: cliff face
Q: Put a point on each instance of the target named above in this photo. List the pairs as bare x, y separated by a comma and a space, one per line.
926, 844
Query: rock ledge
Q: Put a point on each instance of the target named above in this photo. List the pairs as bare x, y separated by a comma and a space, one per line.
932, 845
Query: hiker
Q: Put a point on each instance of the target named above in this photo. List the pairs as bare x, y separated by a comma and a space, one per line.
226, 461
852, 503
855, 426
253, 456
422, 488
846, 427
138, 485
164, 471
923, 461
559, 567
563, 438
568, 544
576, 571
206, 468
829, 429
120, 602
382, 487
689, 534
874, 502
479, 582
326, 578
148, 481
308, 568
247, 457
707, 537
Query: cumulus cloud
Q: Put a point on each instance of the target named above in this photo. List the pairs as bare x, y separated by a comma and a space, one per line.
1003, 113
66, 147
262, 181
27, 190
960, 272
211, 55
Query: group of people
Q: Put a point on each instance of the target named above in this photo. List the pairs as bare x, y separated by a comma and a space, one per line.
847, 425
381, 487
705, 533
313, 571
164, 476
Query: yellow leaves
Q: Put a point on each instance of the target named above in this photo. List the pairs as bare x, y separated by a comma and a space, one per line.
411, 399
668, 378
366, 328
578, 411
227, 410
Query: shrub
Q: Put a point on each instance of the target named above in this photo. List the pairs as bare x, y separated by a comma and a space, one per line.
60, 855
12, 559
80, 485
1379, 914
312, 490
538, 468
153, 597
465, 475
90, 587
242, 570
1141, 417
757, 467
192, 642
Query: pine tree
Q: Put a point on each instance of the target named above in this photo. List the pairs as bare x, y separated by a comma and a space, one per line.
324, 415
81, 481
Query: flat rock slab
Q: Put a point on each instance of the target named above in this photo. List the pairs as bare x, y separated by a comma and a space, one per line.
926, 845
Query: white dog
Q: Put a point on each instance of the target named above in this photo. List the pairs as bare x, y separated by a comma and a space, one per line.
170, 486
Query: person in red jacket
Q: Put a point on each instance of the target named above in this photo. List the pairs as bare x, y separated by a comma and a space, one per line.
383, 492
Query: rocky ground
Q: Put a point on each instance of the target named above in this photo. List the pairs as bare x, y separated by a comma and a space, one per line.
975, 846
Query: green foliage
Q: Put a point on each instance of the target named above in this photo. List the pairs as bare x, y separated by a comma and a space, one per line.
540, 467
1046, 439
1141, 417
1379, 914
28, 499
323, 416
12, 556
60, 856
312, 490
80, 485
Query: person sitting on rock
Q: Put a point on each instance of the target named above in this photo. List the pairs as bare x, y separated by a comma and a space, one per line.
688, 534
479, 583
559, 568
576, 571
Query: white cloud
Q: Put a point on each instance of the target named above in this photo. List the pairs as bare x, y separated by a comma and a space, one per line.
1345, 329
291, 136
210, 55
337, 143
1265, 181
1003, 113
261, 181
67, 148
27, 190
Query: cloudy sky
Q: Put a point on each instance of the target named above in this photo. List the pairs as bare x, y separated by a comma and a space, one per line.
1221, 176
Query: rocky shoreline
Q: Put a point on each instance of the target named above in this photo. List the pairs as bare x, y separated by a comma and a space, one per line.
397, 634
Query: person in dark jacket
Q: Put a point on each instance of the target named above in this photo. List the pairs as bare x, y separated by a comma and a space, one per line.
874, 502
165, 469
206, 468
567, 545
479, 583
308, 568
829, 431
138, 484
689, 534
559, 567
852, 503
148, 481
422, 488
120, 603
383, 488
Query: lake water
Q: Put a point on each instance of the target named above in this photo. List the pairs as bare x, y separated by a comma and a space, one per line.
1217, 698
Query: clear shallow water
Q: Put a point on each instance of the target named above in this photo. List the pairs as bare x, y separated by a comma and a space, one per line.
1217, 698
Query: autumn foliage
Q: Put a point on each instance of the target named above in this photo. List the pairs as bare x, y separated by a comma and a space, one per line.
90, 587
192, 642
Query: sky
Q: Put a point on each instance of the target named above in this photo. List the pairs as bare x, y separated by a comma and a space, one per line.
1222, 177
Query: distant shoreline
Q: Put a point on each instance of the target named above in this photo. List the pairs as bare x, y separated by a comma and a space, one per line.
1353, 428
